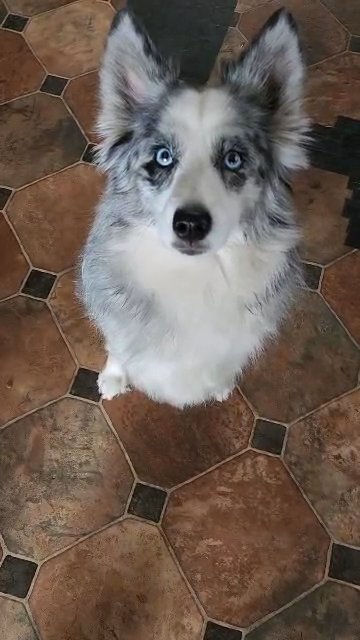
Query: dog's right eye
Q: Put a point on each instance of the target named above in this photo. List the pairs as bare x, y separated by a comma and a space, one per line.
164, 157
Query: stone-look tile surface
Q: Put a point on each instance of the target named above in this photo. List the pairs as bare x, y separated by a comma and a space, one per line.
247, 5
20, 72
13, 266
81, 334
32, 7
321, 33
70, 41
62, 475
3, 11
246, 539
121, 583
82, 97
194, 439
323, 451
331, 612
311, 362
35, 363
319, 198
52, 228
341, 289
39, 137
347, 12
14, 621
333, 89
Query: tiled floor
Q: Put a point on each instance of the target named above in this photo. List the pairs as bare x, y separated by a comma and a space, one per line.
133, 521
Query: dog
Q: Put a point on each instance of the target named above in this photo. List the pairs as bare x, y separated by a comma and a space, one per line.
191, 262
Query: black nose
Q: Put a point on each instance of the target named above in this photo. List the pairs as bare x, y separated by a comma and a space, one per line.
192, 224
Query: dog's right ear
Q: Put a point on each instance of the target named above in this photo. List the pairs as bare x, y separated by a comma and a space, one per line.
133, 76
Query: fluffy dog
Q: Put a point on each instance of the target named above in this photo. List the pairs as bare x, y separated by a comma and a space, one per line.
191, 261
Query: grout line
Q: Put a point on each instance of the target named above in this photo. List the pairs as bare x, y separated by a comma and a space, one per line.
8, 220
118, 439
9, 423
328, 559
339, 320
209, 470
32, 620
342, 582
325, 404
42, 178
67, 343
339, 258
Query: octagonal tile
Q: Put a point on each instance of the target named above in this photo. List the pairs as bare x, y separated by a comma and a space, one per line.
341, 289
245, 562
62, 475
312, 361
39, 137
35, 364
32, 7
20, 72
333, 89
321, 34
14, 621
83, 337
168, 446
323, 451
320, 197
70, 41
348, 12
81, 96
121, 583
52, 216
331, 612
13, 266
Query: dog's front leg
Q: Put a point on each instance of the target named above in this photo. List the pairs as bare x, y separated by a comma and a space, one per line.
112, 380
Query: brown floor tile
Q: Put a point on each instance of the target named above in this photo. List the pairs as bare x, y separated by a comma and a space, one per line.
348, 12
83, 337
62, 475
13, 266
39, 137
231, 47
81, 96
323, 452
333, 89
246, 538
3, 11
119, 4
311, 362
70, 41
35, 364
20, 72
319, 198
330, 612
121, 583
341, 289
247, 5
14, 621
32, 7
168, 446
52, 228
321, 33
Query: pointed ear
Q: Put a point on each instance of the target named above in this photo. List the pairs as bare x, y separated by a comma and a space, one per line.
133, 75
273, 66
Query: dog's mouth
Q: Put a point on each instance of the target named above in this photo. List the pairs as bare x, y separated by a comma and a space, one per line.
189, 250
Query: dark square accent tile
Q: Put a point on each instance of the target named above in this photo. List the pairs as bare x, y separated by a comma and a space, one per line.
38, 284
147, 502
312, 275
345, 564
85, 385
4, 196
16, 576
15, 23
54, 85
216, 632
268, 436
88, 155
355, 44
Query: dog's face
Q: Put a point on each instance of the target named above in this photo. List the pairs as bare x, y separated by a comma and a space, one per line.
199, 162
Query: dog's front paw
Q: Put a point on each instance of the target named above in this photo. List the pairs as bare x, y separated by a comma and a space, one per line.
111, 385
222, 395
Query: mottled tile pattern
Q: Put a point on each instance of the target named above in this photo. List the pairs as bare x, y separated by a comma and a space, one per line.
82, 97
330, 612
16, 576
14, 621
125, 571
241, 576
348, 13
194, 439
32, 357
62, 474
20, 72
32, 7
13, 266
341, 289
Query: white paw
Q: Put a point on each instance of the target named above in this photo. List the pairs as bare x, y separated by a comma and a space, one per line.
111, 385
223, 395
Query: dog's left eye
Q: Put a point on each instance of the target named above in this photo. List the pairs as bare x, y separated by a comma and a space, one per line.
232, 160
164, 157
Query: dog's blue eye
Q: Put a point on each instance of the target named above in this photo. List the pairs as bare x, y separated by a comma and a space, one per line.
163, 157
232, 160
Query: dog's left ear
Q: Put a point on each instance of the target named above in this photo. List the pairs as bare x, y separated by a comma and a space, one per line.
133, 76
273, 66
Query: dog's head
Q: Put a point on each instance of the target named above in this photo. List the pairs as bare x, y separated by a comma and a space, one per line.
199, 163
